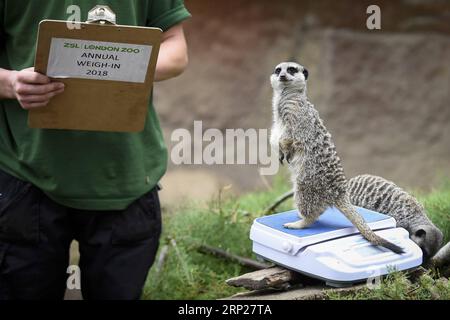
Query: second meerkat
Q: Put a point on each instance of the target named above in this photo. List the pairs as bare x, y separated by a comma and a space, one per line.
305, 143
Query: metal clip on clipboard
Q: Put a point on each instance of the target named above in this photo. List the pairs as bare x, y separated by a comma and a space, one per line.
102, 15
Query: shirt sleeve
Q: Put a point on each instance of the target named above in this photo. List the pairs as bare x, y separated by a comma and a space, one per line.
165, 14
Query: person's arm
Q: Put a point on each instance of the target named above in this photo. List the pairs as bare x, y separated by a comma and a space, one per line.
30, 88
173, 54
6, 89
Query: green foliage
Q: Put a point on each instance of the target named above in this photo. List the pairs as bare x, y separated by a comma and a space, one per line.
225, 223
396, 286
437, 205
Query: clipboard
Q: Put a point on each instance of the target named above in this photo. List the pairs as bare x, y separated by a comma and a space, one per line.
108, 72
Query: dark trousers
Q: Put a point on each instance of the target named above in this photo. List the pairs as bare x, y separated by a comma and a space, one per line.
117, 248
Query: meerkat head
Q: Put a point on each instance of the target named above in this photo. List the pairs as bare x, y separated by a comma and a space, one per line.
289, 75
428, 238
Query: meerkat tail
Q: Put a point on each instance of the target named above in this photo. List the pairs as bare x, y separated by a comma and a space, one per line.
351, 214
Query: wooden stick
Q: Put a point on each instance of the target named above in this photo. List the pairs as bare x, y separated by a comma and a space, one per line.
441, 261
246, 262
281, 278
275, 277
278, 202
315, 292
442, 257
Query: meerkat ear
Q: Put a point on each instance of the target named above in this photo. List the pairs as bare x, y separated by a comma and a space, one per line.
305, 73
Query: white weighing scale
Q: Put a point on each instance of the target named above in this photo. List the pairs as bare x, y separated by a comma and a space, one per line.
332, 249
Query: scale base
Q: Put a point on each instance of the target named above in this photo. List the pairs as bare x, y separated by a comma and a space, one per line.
348, 260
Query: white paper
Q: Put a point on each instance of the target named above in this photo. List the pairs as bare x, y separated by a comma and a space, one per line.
99, 60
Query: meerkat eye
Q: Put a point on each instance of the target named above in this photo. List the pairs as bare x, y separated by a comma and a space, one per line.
420, 233
305, 73
277, 71
292, 70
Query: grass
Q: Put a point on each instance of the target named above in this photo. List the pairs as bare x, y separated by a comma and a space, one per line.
437, 205
396, 286
225, 223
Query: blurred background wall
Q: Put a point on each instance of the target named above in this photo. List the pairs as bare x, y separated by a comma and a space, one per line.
383, 94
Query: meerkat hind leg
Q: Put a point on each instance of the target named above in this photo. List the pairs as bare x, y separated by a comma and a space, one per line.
300, 224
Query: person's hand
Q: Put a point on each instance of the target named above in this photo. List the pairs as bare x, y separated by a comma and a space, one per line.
32, 89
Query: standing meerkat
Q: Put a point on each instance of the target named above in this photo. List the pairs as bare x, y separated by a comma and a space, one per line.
378, 194
305, 143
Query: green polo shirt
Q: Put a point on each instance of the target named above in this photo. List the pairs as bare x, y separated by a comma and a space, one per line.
79, 169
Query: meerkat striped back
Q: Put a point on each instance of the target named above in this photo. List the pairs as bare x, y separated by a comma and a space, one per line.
378, 194
381, 195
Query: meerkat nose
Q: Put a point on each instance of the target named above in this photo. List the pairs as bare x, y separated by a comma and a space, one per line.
283, 78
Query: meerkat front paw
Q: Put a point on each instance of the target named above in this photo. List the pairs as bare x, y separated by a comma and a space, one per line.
289, 155
281, 157
286, 150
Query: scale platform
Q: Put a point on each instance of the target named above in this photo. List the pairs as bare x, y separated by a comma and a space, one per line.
332, 249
